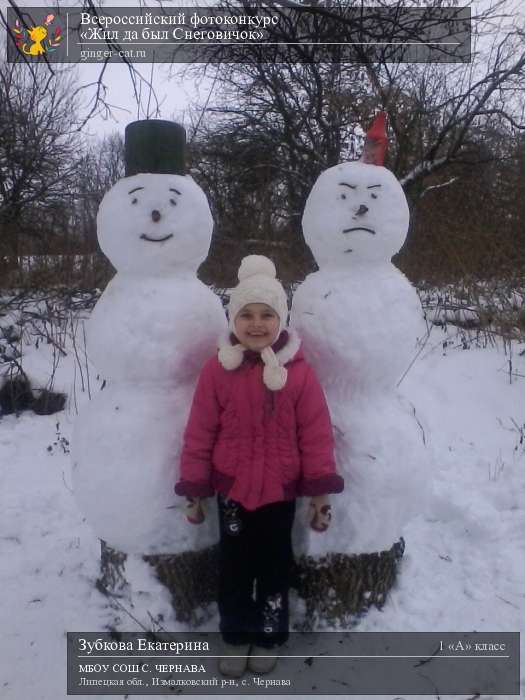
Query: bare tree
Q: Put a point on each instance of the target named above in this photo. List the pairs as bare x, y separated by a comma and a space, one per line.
432, 108
38, 156
309, 116
95, 94
102, 164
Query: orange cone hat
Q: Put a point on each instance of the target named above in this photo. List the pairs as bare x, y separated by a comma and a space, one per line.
376, 141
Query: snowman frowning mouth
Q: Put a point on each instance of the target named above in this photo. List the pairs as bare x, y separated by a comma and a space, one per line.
145, 237
359, 228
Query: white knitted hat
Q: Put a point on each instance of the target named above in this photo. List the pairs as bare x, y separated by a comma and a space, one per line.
258, 285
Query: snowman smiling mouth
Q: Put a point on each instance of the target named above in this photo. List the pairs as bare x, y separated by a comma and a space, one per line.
145, 237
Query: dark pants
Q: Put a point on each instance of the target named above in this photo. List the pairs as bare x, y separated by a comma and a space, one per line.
254, 572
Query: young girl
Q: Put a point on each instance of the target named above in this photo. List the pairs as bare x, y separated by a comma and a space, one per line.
259, 434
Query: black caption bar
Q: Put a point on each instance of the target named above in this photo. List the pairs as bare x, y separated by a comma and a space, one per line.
316, 663
259, 34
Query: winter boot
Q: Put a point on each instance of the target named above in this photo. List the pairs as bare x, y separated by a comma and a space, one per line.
234, 659
262, 660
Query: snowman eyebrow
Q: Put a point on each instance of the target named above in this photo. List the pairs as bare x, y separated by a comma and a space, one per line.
172, 189
370, 186
135, 190
352, 187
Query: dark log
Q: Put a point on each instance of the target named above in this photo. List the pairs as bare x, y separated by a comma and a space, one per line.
335, 588
15, 395
49, 402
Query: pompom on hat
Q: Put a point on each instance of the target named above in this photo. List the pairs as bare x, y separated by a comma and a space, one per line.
258, 284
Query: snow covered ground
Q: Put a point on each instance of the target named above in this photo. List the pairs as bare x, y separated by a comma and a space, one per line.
464, 565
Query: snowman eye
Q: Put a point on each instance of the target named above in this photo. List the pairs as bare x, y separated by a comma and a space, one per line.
343, 196
374, 196
135, 189
172, 201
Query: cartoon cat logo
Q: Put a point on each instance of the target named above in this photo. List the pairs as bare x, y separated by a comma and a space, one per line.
37, 35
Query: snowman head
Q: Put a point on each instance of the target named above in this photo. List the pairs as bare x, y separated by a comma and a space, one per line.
356, 212
154, 223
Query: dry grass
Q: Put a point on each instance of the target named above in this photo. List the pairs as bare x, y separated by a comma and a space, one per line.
458, 286
492, 307
30, 272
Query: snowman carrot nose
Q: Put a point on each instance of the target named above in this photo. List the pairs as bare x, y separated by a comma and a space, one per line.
155, 215
362, 210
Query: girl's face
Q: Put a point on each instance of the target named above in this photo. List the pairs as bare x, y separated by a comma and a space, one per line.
256, 326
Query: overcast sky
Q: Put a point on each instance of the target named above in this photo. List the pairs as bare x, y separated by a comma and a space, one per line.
173, 94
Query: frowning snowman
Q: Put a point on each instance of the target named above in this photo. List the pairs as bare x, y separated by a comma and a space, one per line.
148, 336
362, 322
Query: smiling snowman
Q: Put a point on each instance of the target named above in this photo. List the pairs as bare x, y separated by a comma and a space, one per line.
148, 336
362, 322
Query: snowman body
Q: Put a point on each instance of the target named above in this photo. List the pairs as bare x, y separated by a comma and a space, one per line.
150, 333
361, 323
154, 328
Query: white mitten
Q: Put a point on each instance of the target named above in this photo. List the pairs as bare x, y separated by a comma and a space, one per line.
320, 513
194, 511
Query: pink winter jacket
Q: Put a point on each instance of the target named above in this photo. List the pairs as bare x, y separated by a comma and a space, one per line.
255, 445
